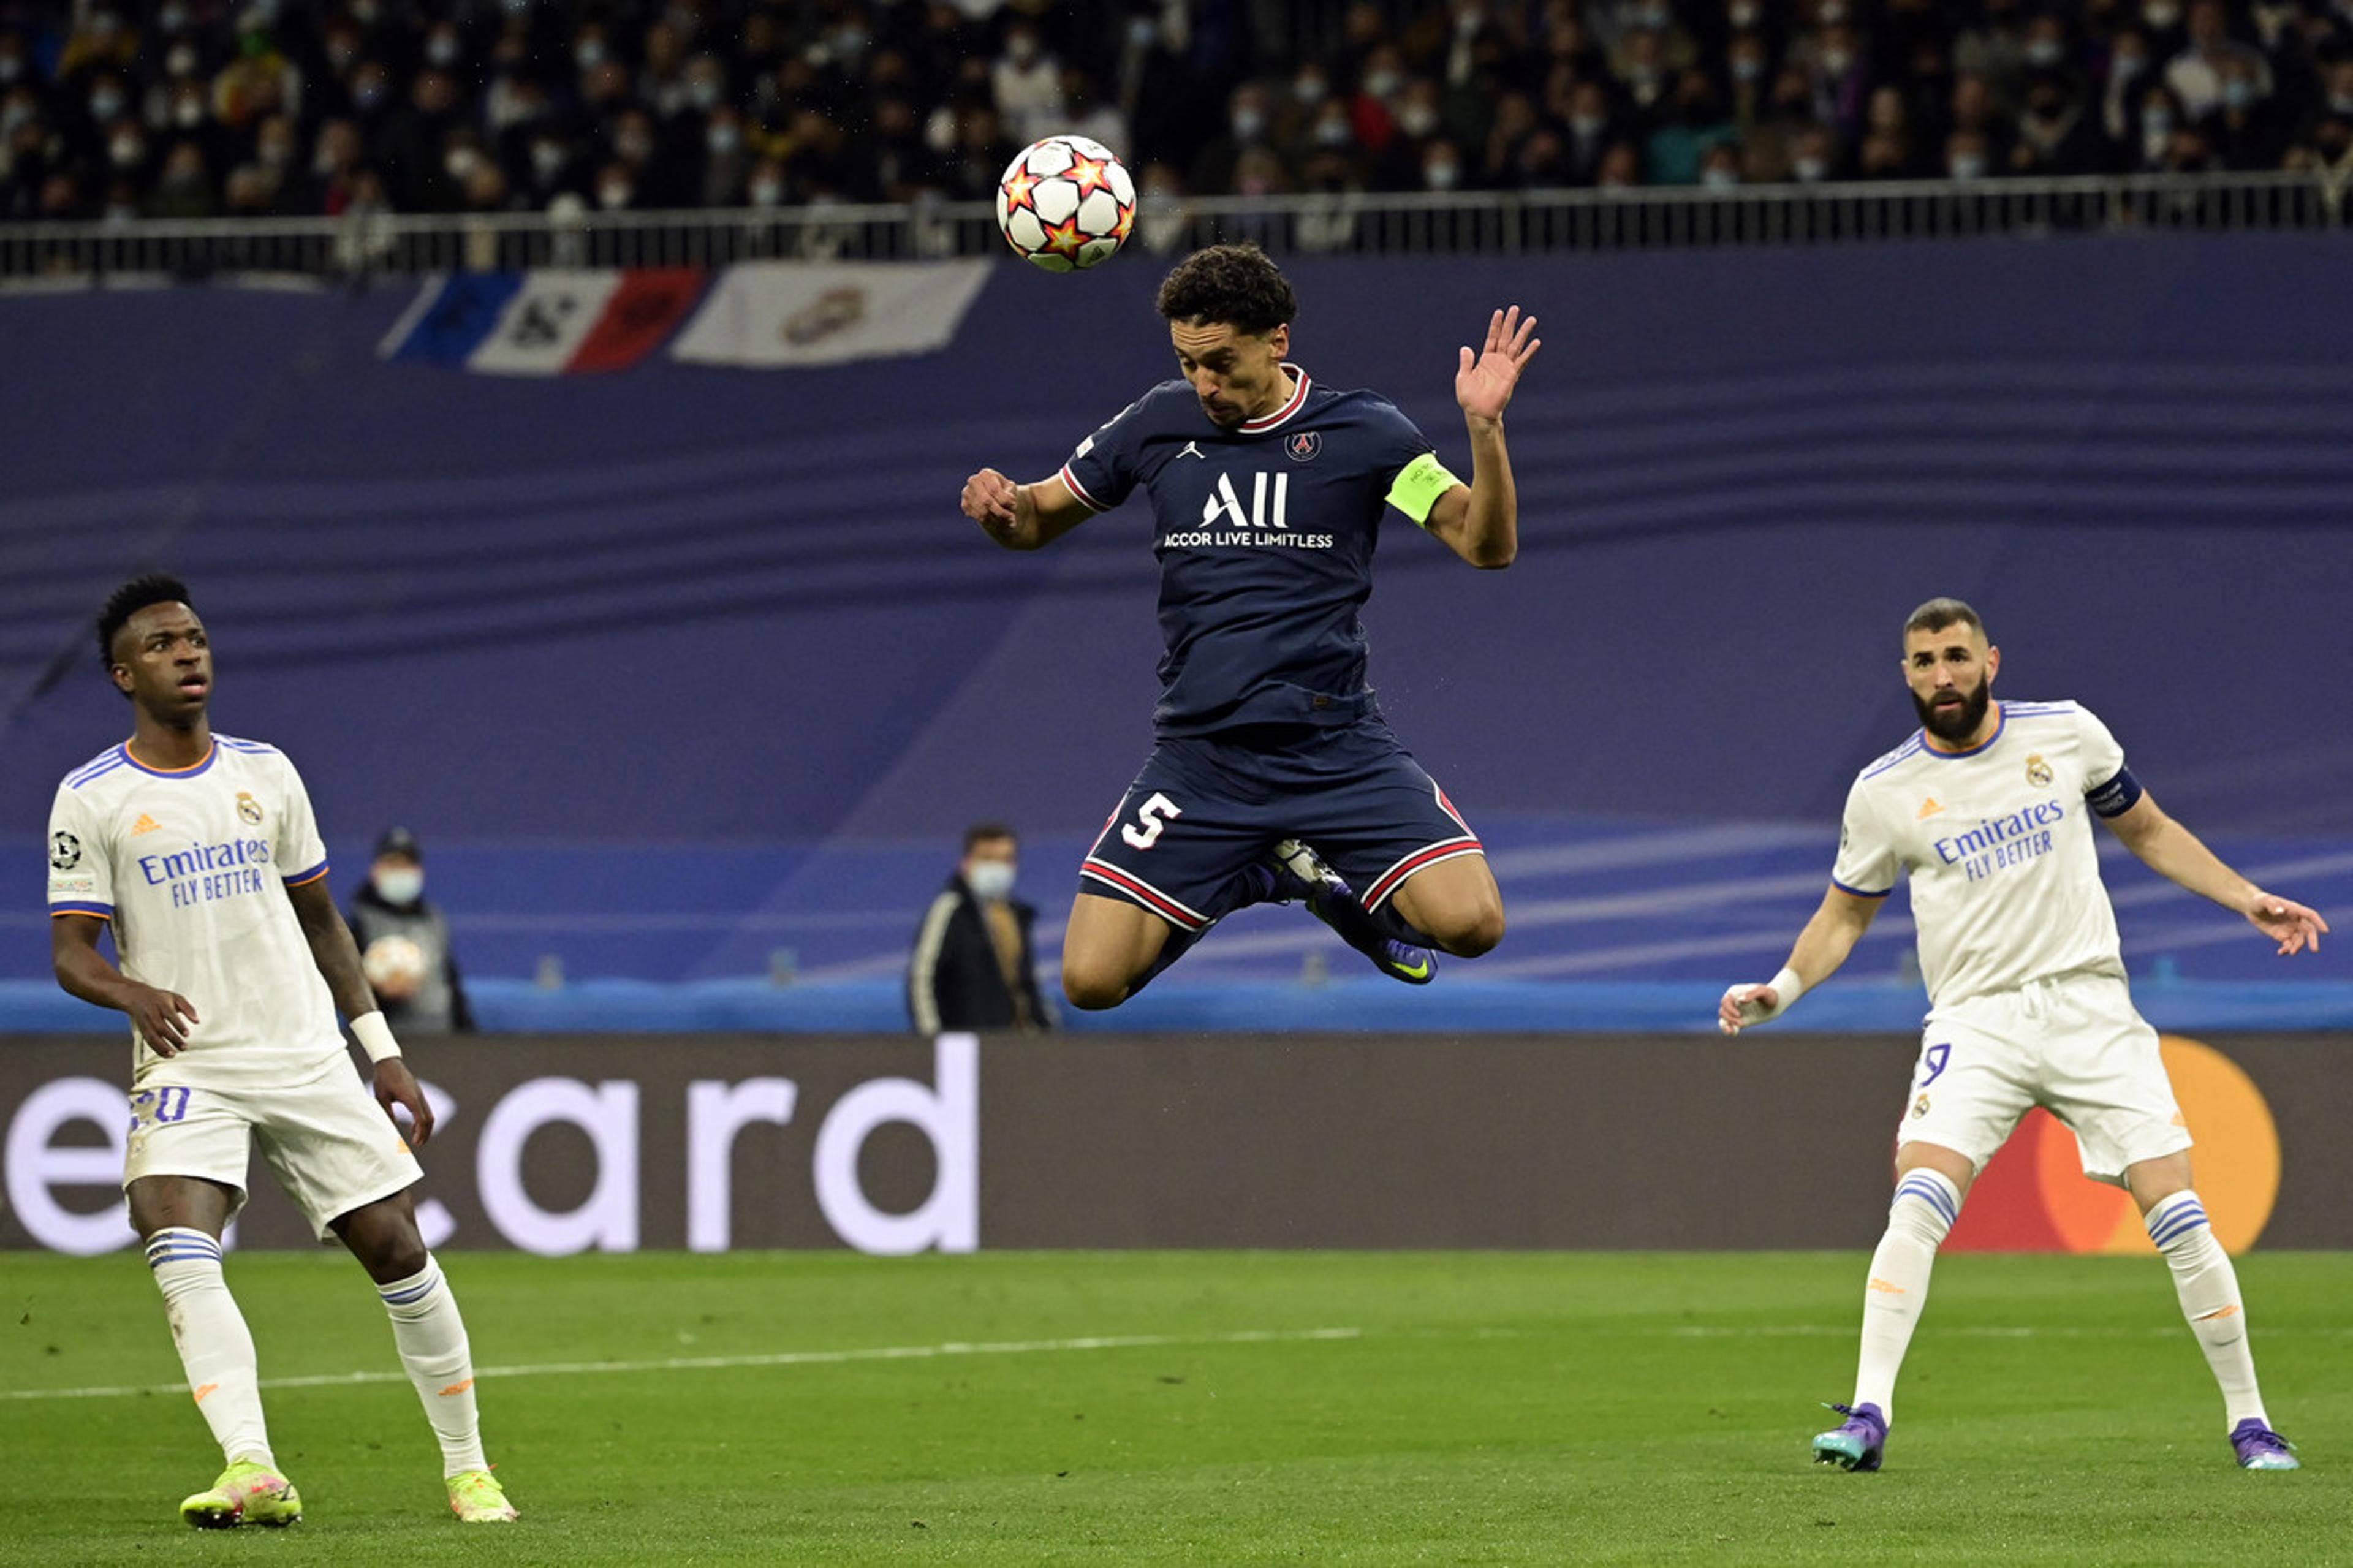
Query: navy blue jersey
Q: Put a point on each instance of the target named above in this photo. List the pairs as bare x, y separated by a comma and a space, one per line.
1265, 536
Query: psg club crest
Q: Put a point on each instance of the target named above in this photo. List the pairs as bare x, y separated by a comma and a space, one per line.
2038, 771
1302, 446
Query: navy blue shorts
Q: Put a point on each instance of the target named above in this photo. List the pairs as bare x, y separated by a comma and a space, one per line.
1205, 807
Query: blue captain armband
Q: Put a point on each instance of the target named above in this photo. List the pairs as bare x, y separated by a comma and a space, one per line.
1418, 486
2116, 796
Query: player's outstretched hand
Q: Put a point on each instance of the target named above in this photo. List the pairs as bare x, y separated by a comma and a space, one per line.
158, 1014
2287, 923
991, 500
1483, 382
1745, 1004
395, 1084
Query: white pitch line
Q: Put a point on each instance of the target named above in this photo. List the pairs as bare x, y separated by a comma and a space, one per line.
1967, 1330
723, 1362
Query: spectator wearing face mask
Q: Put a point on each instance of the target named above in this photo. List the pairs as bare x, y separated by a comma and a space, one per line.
403, 944
1027, 84
2245, 130
2325, 141
2196, 74
973, 966
2055, 136
2130, 74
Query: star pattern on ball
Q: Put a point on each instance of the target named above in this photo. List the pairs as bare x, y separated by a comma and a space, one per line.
1126, 221
1089, 174
1064, 239
1018, 187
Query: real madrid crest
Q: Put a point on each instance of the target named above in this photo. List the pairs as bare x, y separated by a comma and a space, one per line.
248, 808
1920, 1108
2038, 771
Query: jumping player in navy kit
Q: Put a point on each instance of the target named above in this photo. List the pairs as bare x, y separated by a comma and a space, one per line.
1274, 774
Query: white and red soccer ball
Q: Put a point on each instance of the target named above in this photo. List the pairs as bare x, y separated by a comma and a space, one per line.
1065, 202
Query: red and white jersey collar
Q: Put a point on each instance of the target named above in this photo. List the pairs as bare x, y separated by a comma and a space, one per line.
1282, 415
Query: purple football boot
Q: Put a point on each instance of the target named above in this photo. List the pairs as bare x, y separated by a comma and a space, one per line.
2260, 1448
1856, 1443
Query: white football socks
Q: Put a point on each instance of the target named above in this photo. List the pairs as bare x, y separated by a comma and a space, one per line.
2209, 1289
216, 1347
431, 1338
1924, 1209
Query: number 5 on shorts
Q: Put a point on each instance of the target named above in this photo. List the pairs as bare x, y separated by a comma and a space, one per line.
1150, 818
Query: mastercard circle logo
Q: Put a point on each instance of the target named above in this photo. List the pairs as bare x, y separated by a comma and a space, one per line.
2033, 1196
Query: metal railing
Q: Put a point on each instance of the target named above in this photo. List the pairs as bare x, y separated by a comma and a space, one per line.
1413, 225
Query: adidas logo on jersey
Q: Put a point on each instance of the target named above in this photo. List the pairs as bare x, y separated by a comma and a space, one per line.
1929, 808
145, 824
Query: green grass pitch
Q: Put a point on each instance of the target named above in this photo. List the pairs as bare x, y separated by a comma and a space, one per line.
1309, 1408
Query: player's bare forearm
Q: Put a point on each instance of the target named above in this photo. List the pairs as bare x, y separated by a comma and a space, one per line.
1830, 935
2172, 851
1479, 521
162, 1017
2175, 853
81, 969
332, 948
1491, 533
1022, 517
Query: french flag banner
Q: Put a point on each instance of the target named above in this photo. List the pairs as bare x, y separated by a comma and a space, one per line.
555, 320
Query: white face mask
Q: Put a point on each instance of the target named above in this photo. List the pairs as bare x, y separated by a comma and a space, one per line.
991, 880
1811, 171
401, 887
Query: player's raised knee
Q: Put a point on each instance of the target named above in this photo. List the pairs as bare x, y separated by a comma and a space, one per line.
1475, 929
1089, 987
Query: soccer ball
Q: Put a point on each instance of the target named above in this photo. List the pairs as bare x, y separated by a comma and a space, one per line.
394, 966
1065, 202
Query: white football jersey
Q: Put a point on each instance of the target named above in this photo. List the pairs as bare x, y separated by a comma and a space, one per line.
192, 867
2005, 879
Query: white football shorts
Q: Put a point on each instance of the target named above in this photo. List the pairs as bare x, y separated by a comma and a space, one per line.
332, 1148
2071, 1044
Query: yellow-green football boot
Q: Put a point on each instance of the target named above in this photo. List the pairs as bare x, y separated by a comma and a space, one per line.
248, 1492
476, 1498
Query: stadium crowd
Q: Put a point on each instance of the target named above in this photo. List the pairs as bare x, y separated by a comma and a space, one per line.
195, 107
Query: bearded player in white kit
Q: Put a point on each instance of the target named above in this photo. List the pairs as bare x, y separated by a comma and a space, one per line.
1989, 807
201, 852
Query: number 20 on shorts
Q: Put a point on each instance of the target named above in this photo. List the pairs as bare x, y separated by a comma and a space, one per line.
1151, 818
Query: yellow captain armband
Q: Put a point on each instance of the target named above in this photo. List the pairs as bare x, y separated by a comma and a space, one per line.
1418, 485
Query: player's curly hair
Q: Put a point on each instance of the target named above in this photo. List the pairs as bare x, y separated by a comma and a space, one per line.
1230, 285
152, 588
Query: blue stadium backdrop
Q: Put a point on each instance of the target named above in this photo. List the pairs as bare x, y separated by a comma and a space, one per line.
692, 674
